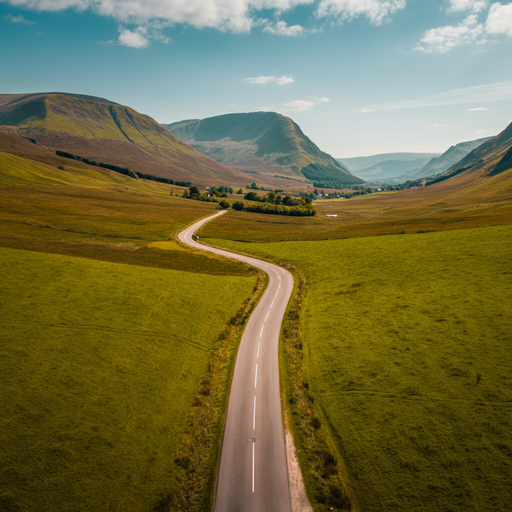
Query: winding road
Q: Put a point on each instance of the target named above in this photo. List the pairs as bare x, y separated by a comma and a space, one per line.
253, 475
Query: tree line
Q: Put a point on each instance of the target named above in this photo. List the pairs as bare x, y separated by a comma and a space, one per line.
123, 170
271, 203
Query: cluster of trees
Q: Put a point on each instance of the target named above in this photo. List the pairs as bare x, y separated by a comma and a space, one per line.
253, 186
221, 191
303, 210
346, 195
277, 199
123, 170
283, 206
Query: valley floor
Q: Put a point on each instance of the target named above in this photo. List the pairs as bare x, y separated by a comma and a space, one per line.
408, 357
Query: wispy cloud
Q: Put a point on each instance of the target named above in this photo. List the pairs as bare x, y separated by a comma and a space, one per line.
478, 109
467, 5
17, 19
376, 10
303, 105
263, 80
281, 28
501, 91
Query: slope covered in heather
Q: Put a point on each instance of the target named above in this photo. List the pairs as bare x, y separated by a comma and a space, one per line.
105, 131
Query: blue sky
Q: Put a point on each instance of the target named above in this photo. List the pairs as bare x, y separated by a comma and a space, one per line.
359, 76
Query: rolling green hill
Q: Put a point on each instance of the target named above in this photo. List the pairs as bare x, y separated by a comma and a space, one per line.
107, 132
264, 143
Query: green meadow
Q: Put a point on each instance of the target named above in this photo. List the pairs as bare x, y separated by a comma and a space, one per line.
100, 366
110, 333
96, 213
407, 355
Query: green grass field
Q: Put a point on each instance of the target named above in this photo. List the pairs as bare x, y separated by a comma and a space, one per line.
100, 365
407, 350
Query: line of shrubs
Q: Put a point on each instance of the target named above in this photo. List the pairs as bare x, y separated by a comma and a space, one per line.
123, 170
278, 199
304, 210
288, 206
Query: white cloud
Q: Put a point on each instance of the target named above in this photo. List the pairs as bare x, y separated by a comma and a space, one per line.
499, 20
225, 15
467, 5
478, 109
282, 29
260, 80
17, 19
263, 80
283, 80
300, 105
238, 16
501, 91
376, 10
135, 39
443, 39
303, 105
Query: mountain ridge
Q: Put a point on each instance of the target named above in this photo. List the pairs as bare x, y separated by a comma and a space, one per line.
109, 132
261, 142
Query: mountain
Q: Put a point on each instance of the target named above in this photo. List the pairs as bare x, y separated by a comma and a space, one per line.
489, 159
442, 163
107, 132
383, 170
264, 143
398, 163
490, 156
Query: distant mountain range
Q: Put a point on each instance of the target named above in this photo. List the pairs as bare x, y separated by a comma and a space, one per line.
491, 158
380, 167
105, 131
264, 143
395, 168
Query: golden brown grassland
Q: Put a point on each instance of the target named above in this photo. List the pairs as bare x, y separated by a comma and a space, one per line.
460, 202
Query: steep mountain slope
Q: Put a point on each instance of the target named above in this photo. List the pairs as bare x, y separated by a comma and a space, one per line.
442, 163
410, 161
490, 159
488, 155
265, 143
107, 132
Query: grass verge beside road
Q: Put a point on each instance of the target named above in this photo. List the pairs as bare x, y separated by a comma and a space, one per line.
407, 360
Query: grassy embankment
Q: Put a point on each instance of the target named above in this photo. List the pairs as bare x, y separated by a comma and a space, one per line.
114, 376
406, 346
461, 202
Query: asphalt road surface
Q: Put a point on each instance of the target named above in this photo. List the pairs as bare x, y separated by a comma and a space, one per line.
253, 475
